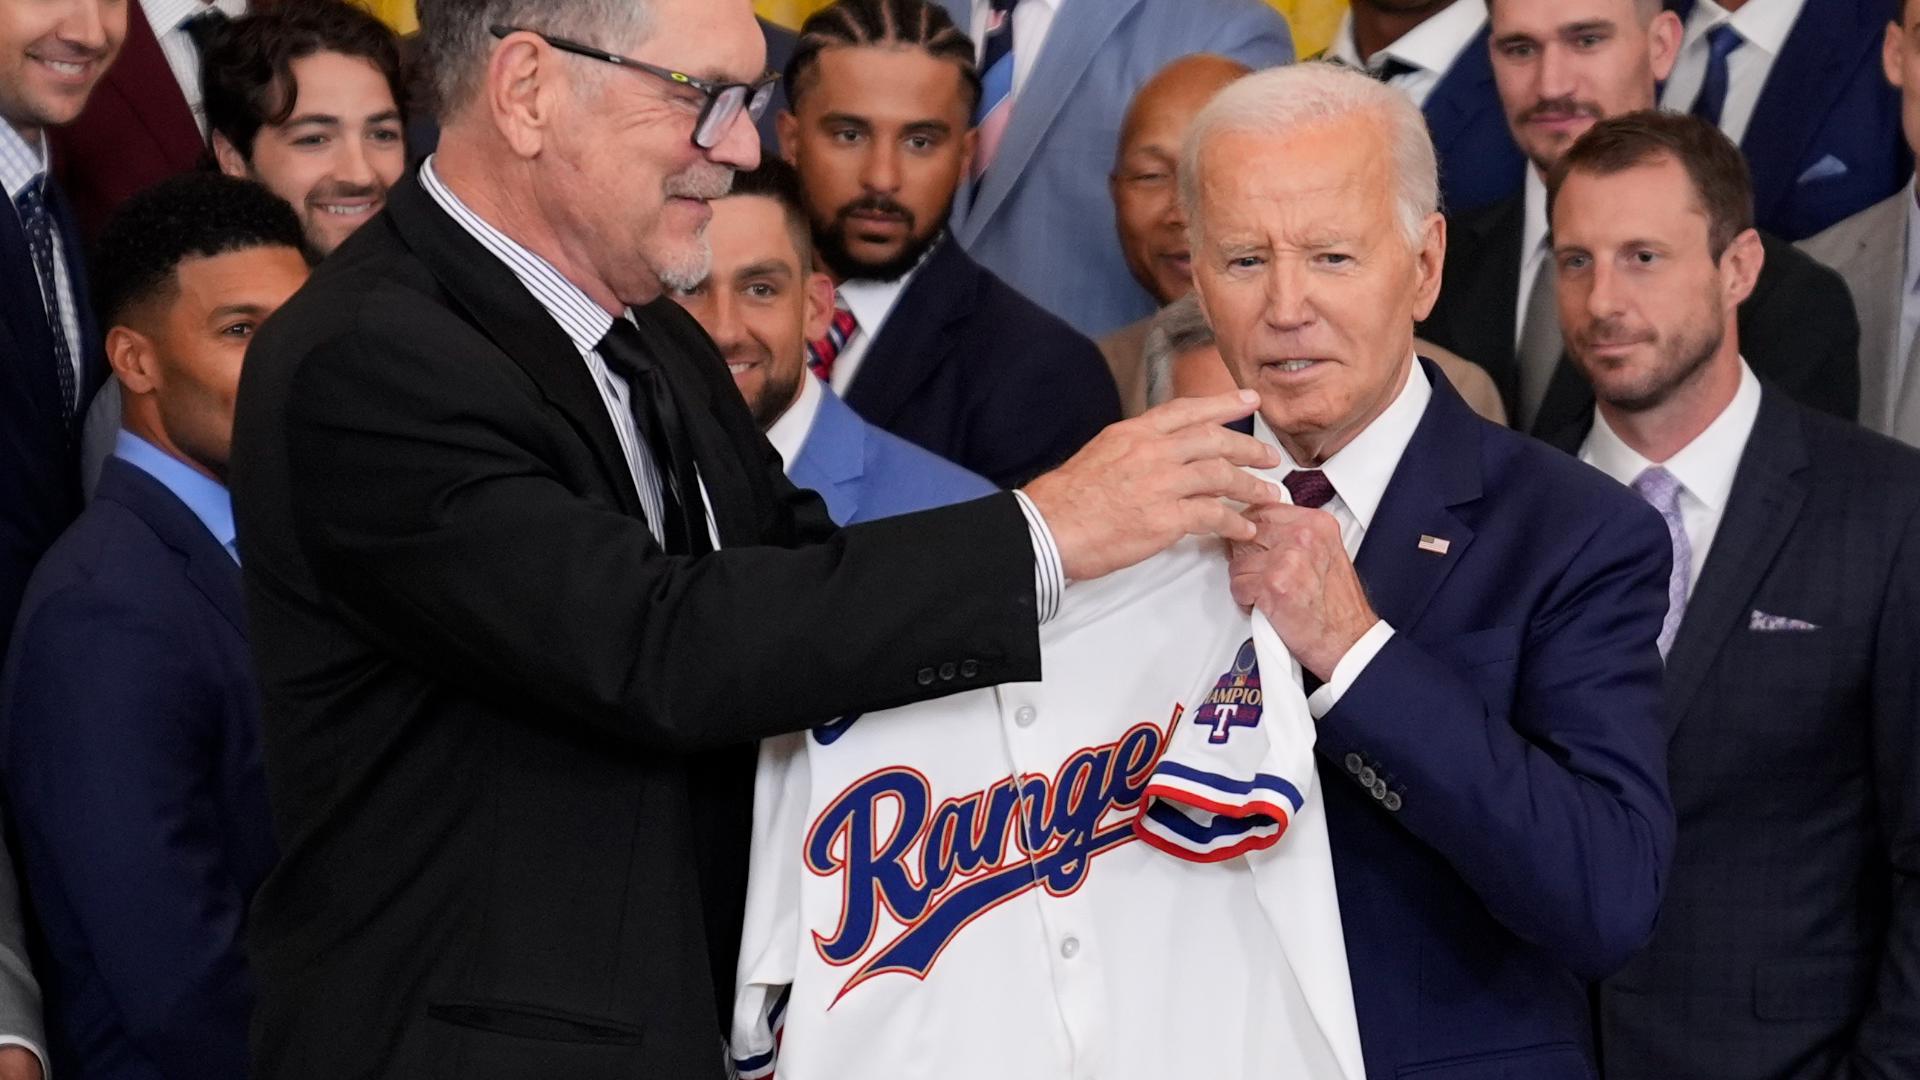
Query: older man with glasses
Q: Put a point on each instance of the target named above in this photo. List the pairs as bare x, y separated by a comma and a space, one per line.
525, 581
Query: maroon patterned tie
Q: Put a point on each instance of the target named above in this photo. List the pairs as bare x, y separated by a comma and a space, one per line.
1310, 488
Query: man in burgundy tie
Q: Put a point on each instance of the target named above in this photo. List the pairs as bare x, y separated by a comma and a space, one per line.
1476, 616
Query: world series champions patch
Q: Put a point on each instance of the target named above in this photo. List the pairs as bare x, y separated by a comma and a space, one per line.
1235, 699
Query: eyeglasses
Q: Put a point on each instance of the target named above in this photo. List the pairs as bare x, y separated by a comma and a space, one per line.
724, 101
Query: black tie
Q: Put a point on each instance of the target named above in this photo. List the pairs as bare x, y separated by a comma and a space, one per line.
657, 415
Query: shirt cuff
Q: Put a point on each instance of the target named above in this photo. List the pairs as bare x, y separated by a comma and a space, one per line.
1049, 577
15, 1040
1347, 671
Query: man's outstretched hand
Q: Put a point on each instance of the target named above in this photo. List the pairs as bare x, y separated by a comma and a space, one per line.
1144, 483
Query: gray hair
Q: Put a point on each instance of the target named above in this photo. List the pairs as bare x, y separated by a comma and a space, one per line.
1280, 101
456, 37
1180, 328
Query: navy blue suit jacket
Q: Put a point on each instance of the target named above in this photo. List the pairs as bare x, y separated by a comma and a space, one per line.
1479, 163
865, 474
129, 736
980, 375
1495, 778
39, 452
1825, 141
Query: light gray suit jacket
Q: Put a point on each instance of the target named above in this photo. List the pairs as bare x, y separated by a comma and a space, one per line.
1869, 250
1042, 218
20, 1016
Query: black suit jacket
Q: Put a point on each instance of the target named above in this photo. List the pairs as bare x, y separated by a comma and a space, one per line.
1798, 329
977, 373
39, 451
1789, 945
508, 739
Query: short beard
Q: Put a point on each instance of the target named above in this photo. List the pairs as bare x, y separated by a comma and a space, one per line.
830, 243
779, 395
1682, 358
685, 270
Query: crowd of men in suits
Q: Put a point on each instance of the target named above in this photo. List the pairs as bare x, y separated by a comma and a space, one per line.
286, 637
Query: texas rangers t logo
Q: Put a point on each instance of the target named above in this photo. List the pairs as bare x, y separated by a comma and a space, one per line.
1235, 699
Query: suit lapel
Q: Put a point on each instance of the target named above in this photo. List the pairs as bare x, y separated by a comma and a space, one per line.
1489, 282
1569, 397
1874, 267
142, 67
209, 568
495, 302
1903, 415
1064, 57
1797, 97
1761, 512
835, 450
913, 344
1439, 470
25, 315
1462, 94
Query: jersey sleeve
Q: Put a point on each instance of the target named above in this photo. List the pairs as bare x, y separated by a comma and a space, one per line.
770, 936
1239, 761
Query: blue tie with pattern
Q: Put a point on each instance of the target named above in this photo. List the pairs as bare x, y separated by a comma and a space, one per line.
38, 224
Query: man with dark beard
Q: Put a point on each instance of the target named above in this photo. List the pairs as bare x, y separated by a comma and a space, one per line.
1789, 944
1560, 66
762, 301
924, 342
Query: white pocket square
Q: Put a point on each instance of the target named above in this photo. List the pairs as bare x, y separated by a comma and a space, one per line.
1825, 169
1765, 623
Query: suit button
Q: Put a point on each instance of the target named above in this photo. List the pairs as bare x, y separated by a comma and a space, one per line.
925, 676
1024, 716
947, 671
1379, 789
1367, 777
969, 669
1392, 801
1353, 763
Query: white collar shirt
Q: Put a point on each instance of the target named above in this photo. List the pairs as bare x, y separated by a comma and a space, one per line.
788, 434
20, 163
1431, 48
1704, 467
169, 19
1359, 473
871, 302
1031, 21
1763, 26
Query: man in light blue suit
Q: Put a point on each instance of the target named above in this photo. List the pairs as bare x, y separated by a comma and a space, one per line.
762, 301
1038, 215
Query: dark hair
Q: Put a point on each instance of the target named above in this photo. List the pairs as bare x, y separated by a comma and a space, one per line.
246, 75
1712, 162
919, 23
193, 215
779, 181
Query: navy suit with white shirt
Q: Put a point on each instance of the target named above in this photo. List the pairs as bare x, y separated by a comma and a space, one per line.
1444, 65
1041, 218
862, 472
1491, 751
1807, 101
1789, 945
130, 746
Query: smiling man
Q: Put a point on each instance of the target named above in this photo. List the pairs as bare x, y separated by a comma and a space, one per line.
305, 98
928, 344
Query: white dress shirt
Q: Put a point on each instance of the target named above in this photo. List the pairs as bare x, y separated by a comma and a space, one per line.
1432, 47
1359, 474
1031, 20
871, 302
1705, 467
1534, 251
168, 19
586, 322
1763, 26
20, 162
788, 434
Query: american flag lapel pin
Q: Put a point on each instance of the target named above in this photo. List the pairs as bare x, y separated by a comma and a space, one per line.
1434, 544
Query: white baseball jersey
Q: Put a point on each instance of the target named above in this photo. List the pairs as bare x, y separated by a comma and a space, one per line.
958, 888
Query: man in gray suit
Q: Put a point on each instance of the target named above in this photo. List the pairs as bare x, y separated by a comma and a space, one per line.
1035, 209
1877, 251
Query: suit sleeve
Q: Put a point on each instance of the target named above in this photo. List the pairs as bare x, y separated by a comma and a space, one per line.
1557, 816
1804, 335
1886, 1045
109, 778
472, 558
1258, 37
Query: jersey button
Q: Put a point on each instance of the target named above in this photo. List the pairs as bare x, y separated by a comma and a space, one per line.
1025, 716
1070, 948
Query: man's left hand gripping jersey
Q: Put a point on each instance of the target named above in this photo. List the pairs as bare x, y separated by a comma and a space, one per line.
958, 888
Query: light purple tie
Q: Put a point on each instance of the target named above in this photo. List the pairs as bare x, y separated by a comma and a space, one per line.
1662, 492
